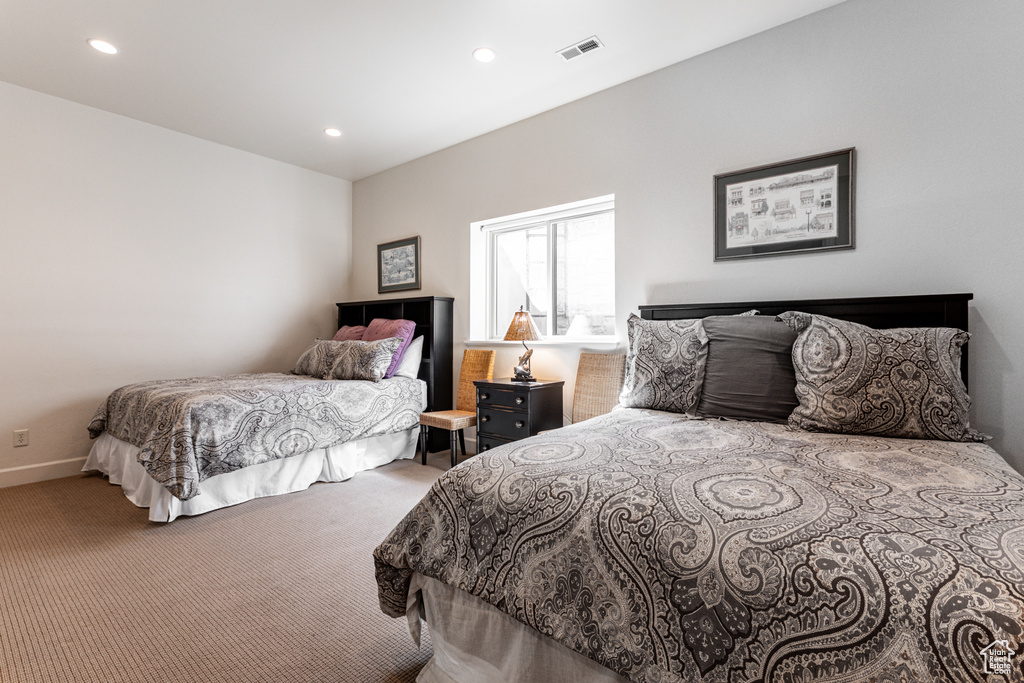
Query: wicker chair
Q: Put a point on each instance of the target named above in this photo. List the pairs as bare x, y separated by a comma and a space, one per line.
476, 364
598, 384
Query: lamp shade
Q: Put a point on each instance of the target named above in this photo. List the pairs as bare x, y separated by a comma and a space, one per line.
522, 328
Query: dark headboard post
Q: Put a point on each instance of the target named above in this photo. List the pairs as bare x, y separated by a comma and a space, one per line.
880, 312
433, 316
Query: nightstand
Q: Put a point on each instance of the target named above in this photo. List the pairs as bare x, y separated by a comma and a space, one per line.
508, 411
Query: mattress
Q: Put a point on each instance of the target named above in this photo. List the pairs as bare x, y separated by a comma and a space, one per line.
670, 549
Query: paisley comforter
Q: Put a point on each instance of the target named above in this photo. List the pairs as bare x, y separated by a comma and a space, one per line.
189, 430
669, 549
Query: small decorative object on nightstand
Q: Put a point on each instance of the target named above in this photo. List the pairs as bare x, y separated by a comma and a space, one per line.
523, 329
508, 410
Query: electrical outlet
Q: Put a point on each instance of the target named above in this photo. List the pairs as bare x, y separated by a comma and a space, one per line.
20, 437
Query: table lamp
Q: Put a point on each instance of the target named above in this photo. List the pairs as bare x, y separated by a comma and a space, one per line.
523, 329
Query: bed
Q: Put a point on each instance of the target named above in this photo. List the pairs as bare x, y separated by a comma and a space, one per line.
670, 545
190, 446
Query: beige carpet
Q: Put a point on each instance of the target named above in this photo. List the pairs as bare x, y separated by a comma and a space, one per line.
277, 589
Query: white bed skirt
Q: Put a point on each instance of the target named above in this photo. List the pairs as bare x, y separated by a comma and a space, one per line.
477, 643
117, 460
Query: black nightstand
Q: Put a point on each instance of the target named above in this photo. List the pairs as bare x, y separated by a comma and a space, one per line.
508, 411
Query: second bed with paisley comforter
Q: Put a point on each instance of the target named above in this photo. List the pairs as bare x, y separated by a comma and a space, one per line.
670, 549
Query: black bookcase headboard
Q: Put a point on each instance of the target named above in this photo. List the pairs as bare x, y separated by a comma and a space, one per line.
880, 312
433, 318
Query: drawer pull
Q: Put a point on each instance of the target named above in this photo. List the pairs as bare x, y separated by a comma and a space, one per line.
485, 418
519, 424
487, 447
484, 396
519, 400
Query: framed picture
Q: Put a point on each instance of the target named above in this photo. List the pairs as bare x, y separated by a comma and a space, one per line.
786, 208
398, 265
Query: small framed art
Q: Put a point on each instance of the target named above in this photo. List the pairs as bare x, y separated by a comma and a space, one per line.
398, 265
785, 208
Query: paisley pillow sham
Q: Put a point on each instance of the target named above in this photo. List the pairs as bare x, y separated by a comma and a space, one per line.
361, 359
364, 360
664, 364
901, 382
316, 361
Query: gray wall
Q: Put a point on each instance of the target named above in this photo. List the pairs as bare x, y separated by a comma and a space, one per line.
929, 92
130, 252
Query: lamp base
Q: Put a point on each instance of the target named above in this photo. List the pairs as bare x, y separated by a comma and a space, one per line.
527, 378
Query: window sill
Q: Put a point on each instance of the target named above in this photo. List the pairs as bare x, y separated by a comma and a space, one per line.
589, 342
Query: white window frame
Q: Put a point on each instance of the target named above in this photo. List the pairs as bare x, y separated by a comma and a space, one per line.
482, 290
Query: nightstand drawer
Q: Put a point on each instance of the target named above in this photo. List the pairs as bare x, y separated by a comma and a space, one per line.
511, 424
507, 410
487, 396
486, 443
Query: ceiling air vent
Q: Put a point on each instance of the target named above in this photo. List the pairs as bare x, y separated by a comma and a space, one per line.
572, 52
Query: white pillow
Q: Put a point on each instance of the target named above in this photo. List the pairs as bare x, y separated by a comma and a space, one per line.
410, 364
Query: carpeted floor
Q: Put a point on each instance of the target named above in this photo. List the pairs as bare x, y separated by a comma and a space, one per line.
277, 589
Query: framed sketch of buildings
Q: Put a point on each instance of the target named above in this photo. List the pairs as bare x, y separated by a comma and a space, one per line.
790, 207
398, 265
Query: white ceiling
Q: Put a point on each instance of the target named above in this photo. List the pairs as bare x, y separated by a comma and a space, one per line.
396, 76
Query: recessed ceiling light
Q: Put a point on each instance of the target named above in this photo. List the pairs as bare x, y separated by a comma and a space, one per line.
333, 132
484, 54
103, 46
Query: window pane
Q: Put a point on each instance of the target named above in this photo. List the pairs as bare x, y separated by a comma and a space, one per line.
521, 276
585, 276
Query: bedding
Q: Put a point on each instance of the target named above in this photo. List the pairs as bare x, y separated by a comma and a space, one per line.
189, 430
410, 365
363, 360
904, 382
317, 360
382, 328
671, 549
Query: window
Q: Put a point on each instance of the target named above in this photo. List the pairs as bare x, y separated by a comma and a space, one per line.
558, 264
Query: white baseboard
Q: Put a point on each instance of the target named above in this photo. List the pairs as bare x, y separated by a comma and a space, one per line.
30, 474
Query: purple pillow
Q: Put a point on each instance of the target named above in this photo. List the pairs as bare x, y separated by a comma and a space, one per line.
350, 333
382, 328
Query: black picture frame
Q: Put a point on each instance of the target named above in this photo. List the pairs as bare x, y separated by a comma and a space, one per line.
758, 211
398, 265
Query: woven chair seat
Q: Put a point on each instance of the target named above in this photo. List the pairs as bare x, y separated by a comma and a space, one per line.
476, 364
448, 419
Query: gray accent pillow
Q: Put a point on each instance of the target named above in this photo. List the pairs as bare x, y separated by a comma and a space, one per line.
902, 382
664, 364
368, 360
320, 359
316, 361
748, 374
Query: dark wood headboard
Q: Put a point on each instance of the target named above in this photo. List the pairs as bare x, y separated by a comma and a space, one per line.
880, 312
433, 318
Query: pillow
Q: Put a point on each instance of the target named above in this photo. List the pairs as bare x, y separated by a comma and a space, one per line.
364, 360
317, 360
664, 364
749, 370
410, 365
382, 328
350, 333
902, 382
